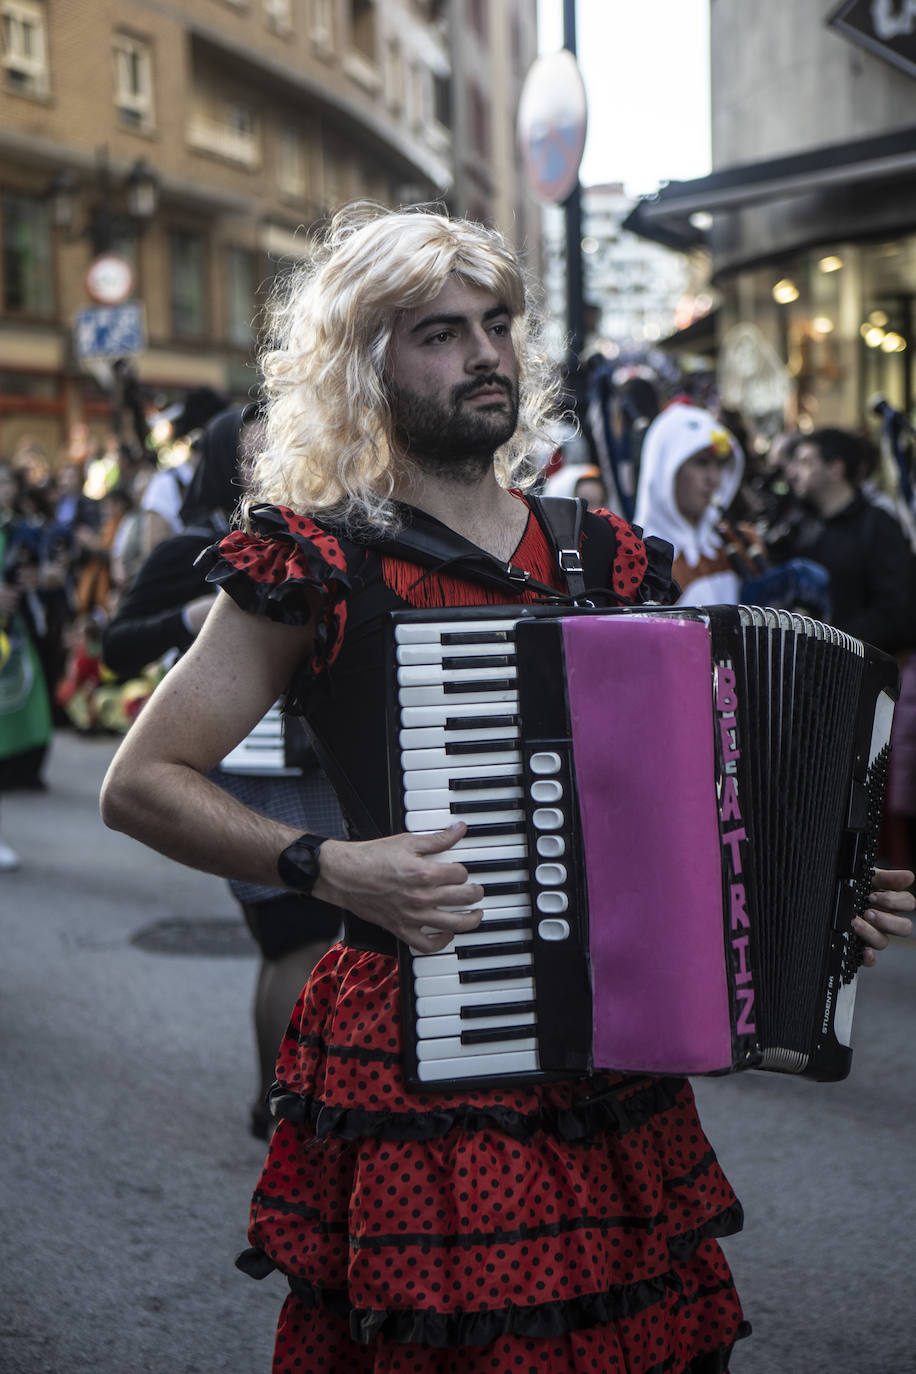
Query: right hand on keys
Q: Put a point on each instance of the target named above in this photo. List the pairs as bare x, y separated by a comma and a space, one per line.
396, 884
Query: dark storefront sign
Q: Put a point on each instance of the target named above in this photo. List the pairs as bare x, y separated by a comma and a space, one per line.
885, 27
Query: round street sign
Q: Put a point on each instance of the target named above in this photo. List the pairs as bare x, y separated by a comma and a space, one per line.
110, 279
552, 119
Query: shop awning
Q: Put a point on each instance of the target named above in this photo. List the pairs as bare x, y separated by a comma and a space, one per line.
665, 217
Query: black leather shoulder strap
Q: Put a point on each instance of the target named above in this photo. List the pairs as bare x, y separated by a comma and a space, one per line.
433, 545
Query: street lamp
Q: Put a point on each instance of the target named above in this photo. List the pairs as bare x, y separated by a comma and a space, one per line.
105, 225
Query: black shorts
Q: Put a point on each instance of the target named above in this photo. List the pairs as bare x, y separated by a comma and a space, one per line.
282, 924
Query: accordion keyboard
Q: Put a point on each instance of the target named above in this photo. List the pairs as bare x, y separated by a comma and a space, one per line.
461, 759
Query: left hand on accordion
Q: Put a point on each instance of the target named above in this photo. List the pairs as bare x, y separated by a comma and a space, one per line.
889, 901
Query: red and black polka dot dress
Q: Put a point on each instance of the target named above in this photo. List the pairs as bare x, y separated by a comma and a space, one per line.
558, 1227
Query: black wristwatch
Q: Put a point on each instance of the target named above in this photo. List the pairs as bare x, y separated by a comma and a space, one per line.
298, 864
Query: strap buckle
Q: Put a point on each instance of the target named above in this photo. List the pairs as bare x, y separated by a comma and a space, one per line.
569, 561
516, 574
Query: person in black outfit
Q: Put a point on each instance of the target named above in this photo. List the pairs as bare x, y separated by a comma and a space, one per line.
862, 546
161, 612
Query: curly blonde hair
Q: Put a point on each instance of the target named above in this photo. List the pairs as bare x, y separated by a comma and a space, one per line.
327, 441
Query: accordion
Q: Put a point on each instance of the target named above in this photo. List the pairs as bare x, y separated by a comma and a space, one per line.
674, 817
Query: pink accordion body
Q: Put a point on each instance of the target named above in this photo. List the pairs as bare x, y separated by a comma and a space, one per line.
674, 816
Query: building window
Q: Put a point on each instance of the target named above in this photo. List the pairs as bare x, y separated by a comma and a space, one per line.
232, 133
442, 100
240, 294
279, 15
394, 76
321, 24
27, 271
187, 282
133, 81
477, 16
480, 120
422, 96
25, 47
362, 28
292, 164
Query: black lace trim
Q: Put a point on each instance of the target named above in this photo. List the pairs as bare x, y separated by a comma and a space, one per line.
441, 1331
726, 1223
606, 1112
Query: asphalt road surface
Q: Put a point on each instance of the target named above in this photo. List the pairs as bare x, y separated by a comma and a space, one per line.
127, 1074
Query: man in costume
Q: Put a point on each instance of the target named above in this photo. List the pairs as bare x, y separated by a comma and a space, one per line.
562, 1226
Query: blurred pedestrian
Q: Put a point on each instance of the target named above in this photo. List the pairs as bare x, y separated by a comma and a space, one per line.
159, 616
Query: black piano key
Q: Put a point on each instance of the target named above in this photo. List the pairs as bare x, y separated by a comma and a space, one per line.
479, 722
468, 808
497, 922
498, 783
493, 865
479, 661
478, 1012
478, 746
476, 637
493, 828
490, 951
493, 975
491, 889
484, 1037
496, 684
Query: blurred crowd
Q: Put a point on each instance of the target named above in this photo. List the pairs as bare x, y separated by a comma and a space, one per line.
820, 521
74, 533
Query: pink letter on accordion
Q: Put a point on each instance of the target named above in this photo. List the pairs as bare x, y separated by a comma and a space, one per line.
732, 840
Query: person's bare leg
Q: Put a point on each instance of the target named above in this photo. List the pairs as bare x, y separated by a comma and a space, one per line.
278, 985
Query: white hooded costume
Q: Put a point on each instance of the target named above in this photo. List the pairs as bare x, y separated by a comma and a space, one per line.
679, 432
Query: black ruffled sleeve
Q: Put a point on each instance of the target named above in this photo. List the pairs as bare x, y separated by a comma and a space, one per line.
288, 568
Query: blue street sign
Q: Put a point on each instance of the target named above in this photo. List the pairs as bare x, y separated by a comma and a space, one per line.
109, 331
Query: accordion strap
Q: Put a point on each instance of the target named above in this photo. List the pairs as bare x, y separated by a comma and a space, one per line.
432, 544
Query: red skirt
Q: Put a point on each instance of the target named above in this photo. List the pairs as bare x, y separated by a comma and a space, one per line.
564, 1227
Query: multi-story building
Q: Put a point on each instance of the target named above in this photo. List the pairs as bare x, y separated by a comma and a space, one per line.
632, 287
810, 211
199, 141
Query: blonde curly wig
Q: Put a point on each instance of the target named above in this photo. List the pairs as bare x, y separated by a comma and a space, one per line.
326, 447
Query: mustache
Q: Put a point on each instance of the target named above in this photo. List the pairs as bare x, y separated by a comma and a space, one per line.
481, 384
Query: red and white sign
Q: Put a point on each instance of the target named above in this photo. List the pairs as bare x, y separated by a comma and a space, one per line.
552, 121
110, 279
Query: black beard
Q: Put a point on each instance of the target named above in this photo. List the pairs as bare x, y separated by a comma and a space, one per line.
447, 440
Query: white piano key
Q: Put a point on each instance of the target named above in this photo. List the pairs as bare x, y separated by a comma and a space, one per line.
435, 965
436, 758
419, 779
442, 798
450, 1003
436, 737
438, 1027
417, 716
448, 984
438, 820
434, 695
515, 1061
431, 656
431, 631
451, 1048
470, 851
415, 674
501, 936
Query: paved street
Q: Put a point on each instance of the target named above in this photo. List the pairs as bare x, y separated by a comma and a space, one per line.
126, 1078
